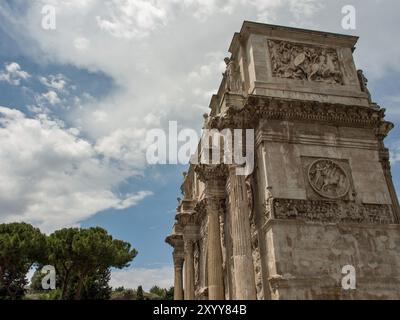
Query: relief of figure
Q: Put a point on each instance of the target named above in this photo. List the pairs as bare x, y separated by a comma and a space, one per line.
186, 188
292, 211
316, 67
255, 249
363, 83
328, 179
250, 196
203, 261
222, 233
324, 68
232, 74
279, 210
196, 265
267, 205
319, 174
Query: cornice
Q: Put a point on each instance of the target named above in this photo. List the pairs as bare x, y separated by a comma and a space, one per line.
269, 108
174, 240
290, 33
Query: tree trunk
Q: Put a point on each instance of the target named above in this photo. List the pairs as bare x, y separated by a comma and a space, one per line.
65, 285
79, 289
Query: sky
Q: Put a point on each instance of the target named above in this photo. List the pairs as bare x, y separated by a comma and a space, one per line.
77, 101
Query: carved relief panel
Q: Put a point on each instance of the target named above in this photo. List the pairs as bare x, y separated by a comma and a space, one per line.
328, 179
330, 197
332, 211
304, 62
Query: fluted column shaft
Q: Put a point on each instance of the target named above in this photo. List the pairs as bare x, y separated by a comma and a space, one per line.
242, 253
214, 177
178, 280
189, 270
214, 254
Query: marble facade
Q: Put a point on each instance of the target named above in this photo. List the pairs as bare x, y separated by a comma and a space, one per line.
321, 195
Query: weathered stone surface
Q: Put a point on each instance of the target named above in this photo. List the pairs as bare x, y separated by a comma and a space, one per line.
306, 260
321, 195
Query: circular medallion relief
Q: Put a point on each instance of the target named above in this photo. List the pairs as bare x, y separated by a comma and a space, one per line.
328, 179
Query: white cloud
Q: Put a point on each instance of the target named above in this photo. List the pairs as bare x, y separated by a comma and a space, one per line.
133, 199
202, 9
57, 82
131, 18
201, 79
52, 178
51, 97
394, 147
13, 74
81, 44
127, 145
145, 277
165, 64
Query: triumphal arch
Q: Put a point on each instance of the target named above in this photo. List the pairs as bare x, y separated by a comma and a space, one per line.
320, 199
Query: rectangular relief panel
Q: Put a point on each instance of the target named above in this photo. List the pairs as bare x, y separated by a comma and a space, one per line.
304, 62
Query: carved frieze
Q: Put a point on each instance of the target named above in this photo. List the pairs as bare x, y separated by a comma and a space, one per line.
269, 108
332, 211
304, 62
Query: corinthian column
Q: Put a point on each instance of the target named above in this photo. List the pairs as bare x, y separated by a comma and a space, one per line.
214, 177
241, 237
176, 241
178, 280
189, 270
214, 254
186, 217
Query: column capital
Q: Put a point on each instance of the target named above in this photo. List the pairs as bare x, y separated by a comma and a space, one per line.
214, 177
191, 234
211, 172
215, 205
179, 258
175, 241
186, 218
